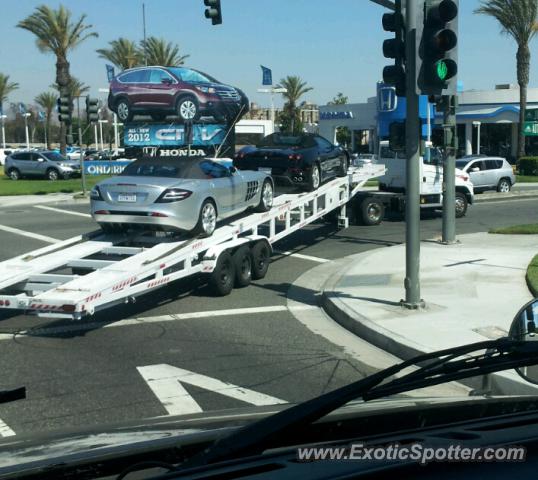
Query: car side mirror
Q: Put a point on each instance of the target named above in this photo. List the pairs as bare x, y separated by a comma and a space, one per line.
166, 81
39, 159
232, 170
524, 329
475, 169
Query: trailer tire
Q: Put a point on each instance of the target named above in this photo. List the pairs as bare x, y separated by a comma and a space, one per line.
222, 278
242, 259
372, 211
261, 254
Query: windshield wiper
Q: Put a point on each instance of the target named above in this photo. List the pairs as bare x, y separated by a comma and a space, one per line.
443, 366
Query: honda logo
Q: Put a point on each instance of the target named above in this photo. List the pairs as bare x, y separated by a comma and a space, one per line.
387, 99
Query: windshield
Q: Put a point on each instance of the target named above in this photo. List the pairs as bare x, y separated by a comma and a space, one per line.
191, 76
200, 248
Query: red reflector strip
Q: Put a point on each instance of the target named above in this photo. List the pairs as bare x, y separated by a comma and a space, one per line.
157, 214
102, 212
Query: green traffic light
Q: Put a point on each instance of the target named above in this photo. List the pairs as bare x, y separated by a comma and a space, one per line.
442, 70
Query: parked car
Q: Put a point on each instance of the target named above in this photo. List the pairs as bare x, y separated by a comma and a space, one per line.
488, 173
191, 195
305, 160
184, 92
363, 159
47, 164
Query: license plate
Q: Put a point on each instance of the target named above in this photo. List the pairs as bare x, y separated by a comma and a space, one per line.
126, 197
267, 171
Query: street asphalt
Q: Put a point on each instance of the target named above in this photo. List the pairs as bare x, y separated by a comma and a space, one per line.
93, 372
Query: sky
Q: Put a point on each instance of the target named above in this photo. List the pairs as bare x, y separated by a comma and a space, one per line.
335, 45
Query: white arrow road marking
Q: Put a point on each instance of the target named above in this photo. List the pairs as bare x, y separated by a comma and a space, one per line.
165, 382
5, 431
302, 257
61, 210
24, 233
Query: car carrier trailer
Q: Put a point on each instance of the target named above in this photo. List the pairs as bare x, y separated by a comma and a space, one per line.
82, 275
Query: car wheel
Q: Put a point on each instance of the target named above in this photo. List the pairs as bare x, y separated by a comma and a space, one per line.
344, 167
123, 110
461, 204
187, 109
223, 276
158, 117
207, 220
52, 174
372, 211
266, 197
242, 259
504, 185
14, 174
261, 254
314, 180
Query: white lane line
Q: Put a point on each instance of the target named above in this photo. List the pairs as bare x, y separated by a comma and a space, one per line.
61, 210
5, 431
84, 326
24, 233
165, 382
303, 257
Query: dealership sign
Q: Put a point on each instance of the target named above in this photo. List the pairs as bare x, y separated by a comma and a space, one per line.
99, 167
335, 115
174, 135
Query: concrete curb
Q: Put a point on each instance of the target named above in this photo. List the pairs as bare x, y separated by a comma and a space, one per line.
502, 383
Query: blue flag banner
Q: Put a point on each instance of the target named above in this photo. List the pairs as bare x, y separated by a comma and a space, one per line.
110, 73
267, 76
22, 108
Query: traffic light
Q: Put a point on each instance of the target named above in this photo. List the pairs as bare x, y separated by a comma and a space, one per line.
65, 109
214, 12
395, 48
437, 40
92, 109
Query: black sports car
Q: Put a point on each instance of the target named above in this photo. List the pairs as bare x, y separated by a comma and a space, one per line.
304, 160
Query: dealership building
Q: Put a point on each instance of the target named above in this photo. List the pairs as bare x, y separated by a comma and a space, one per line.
491, 115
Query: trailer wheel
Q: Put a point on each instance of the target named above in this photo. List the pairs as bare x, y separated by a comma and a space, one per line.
242, 259
372, 211
261, 253
223, 277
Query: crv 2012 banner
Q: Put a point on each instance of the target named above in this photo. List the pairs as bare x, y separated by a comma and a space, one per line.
173, 135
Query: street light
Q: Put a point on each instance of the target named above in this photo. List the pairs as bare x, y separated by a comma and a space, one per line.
101, 132
26, 115
272, 91
3, 117
478, 124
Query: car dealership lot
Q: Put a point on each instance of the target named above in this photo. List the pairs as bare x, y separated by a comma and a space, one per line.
96, 371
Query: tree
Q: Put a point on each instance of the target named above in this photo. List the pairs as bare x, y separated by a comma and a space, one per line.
518, 19
58, 34
123, 53
47, 101
290, 117
340, 99
160, 52
6, 87
75, 87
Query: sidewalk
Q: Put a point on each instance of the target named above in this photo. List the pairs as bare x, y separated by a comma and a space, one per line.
20, 200
472, 291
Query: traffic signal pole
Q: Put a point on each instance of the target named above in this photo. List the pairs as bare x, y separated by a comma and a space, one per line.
82, 174
412, 204
449, 170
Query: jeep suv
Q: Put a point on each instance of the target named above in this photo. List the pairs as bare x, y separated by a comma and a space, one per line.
186, 93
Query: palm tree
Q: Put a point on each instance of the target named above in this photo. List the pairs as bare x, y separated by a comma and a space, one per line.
159, 52
295, 87
518, 19
58, 34
123, 53
47, 101
6, 87
75, 88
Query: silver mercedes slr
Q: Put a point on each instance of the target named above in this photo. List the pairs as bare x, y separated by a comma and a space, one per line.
178, 195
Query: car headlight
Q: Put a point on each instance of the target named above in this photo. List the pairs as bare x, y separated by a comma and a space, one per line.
205, 89
95, 193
